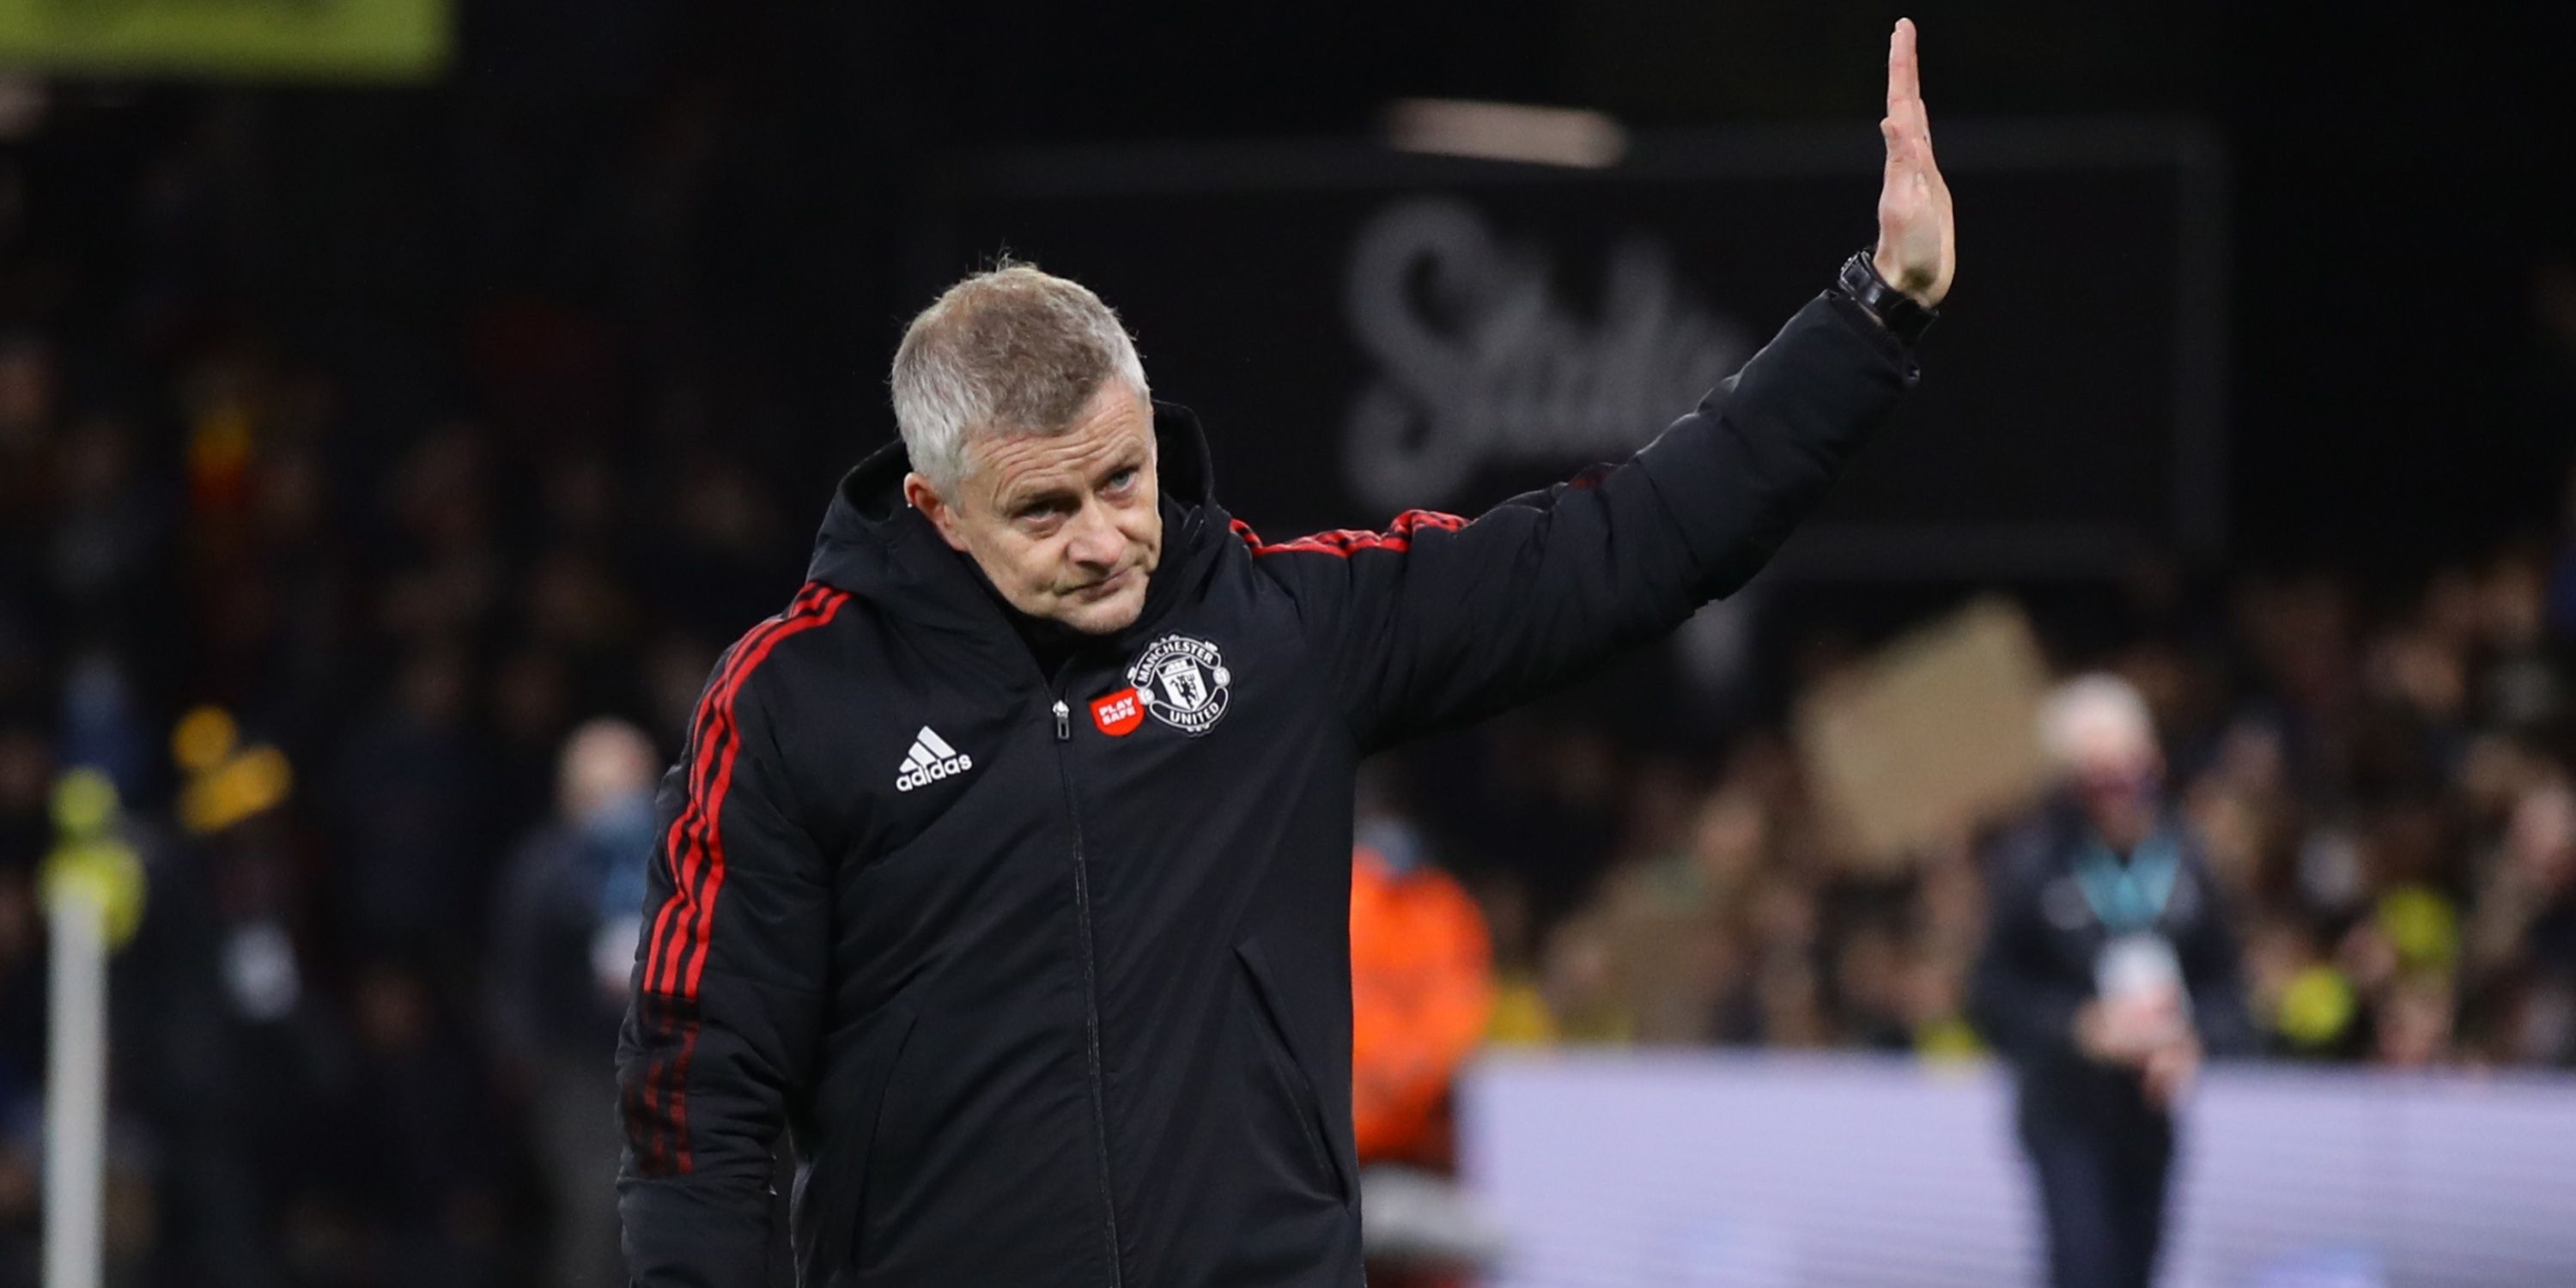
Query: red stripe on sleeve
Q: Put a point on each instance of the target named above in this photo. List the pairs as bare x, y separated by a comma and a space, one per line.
694, 853
679, 845
1346, 542
688, 840
694, 950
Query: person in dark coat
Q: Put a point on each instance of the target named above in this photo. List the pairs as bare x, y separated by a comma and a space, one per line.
562, 941
2109, 973
1007, 872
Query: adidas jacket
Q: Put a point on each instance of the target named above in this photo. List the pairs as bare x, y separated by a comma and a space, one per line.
1046, 976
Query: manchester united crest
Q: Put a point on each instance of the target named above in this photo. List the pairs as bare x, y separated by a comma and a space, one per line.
1182, 682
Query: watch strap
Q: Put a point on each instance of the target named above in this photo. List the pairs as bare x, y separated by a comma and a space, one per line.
1860, 282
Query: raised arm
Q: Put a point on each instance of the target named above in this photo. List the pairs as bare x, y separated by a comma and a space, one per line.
1441, 620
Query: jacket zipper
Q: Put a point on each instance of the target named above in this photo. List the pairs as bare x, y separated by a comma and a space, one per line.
1090, 983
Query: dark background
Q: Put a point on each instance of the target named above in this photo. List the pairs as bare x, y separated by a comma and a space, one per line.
2398, 212
1525, 320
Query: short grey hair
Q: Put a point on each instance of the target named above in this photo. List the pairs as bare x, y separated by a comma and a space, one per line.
2093, 715
1011, 350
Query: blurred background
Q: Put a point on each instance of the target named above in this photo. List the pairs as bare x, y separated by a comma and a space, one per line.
392, 389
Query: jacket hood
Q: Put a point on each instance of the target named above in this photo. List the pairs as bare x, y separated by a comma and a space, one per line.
874, 545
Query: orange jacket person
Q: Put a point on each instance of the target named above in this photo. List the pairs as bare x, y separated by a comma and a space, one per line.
1421, 989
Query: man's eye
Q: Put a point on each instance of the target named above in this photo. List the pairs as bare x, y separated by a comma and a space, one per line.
1122, 480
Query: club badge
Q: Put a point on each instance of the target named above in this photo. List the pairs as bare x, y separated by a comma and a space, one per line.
1182, 682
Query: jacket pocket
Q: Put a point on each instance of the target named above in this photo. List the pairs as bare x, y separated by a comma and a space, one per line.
1279, 1056
830, 1204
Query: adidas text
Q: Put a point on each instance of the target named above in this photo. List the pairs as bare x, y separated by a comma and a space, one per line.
930, 760
936, 770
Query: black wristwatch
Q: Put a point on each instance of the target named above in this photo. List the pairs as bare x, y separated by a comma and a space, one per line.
1859, 281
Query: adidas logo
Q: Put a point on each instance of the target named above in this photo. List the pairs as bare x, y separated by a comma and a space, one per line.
930, 760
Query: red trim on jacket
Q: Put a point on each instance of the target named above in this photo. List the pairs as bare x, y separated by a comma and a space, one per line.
693, 852
686, 838
1346, 542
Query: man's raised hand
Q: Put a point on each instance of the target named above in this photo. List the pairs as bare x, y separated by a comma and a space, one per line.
1916, 246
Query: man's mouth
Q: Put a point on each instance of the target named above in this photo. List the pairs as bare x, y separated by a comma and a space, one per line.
1105, 587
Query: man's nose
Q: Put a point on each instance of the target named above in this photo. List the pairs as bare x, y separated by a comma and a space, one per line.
1093, 541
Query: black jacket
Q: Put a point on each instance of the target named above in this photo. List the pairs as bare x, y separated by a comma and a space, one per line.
2037, 971
1049, 974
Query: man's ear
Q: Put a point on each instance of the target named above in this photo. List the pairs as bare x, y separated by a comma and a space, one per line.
918, 493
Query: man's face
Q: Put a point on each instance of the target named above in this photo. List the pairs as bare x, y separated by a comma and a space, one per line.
2118, 777
1067, 526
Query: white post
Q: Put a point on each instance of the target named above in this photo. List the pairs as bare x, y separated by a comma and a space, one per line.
76, 1088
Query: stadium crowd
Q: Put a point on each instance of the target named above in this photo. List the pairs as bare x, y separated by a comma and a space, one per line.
2379, 774
328, 627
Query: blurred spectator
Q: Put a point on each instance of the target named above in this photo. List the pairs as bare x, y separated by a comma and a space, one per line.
2523, 940
432, 1193
1422, 989
411, 817
1421, 994
562, 951
2108, 971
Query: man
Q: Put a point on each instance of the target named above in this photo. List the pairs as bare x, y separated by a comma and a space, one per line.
1009, 869
558, 985
2108, 971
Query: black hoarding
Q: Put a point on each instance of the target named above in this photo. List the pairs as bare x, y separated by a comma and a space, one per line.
1366, 331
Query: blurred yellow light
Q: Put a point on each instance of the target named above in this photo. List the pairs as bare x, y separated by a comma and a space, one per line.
203, 738
92, 861
265, 776
107, 873
251, 783
2422, 926
1949, 1042
84, 803
2317, 1006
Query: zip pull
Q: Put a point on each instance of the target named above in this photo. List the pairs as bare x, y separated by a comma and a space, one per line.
1063, 721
